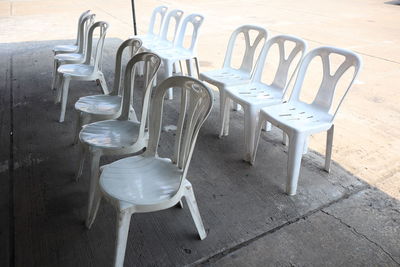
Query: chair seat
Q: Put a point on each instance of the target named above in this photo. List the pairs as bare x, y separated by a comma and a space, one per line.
256, 94
299, 117
80, 70
73, 57
141, 180
110, 134
65, 48
99, 104
157, 45
225, 77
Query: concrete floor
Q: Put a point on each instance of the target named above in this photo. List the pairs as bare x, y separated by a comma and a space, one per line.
349, 217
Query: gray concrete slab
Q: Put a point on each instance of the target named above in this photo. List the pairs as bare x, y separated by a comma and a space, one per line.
239, 203
362, 230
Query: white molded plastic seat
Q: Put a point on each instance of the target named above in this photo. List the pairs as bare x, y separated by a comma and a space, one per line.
299, 120
72, 47
179, 52
228, 75
105, 107
152, 35
256, 94
146, 182
89, 70
77, 56
122, 135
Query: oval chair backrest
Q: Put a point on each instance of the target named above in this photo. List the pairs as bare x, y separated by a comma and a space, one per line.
134, 45
158, 11
86, 23
174, 15
280, 80
195, 106
98, 52
325, 94
78, 35
250, 49
196, 20
151, 63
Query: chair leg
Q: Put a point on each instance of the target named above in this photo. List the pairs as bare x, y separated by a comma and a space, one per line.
236, 106
81, 160
305, 148
224, 113
250, 124
285, 139
64, 98
94, 209
59, 83
194, 210
55, 74
296, 147
168, 73
267, 126
123, 222
257, 135
78, 127
103, 84
328, 153
94, 181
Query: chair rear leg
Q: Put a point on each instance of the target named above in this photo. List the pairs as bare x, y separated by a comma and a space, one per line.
94, 181
103, 84
224, 113
55, 74
81, 160
123, 222
257, 134
194, 210
296, 147
250, 124
328, 153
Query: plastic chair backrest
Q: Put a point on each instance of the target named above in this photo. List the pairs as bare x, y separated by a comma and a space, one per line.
285, 61
78, 35
86, 23
151, 64
195, 106
135, 45
176, 15
98, 52
324, 97
248, 57
196, 20
158, 11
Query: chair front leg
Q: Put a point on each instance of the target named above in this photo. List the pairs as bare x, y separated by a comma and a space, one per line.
94, 179
55, 74
296, 148
64, 99
251, 115
224, 113
257, 134
328, 153
123, 222
194, 211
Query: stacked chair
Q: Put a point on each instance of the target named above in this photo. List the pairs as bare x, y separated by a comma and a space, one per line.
108, 124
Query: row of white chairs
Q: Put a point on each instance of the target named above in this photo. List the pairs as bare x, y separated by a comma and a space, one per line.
269, 103
172, 48
79, 61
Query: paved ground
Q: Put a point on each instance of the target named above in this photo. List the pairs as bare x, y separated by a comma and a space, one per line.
336, 219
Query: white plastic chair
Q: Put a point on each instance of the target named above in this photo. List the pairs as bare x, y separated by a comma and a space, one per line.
299, 120
76, 57
228, 75
173, 18
152, 36
89, 70
256, 94
178, 52
105, 107
120, 136
147, 182
59, 49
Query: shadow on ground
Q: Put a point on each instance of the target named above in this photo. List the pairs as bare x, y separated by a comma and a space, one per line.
335, 219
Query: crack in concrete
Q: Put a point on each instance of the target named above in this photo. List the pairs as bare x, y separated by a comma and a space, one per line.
219, 255
353, 229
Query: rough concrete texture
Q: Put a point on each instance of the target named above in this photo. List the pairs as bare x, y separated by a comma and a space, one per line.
335, 219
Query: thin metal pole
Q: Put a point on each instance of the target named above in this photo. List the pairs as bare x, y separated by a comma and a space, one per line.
134, 17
